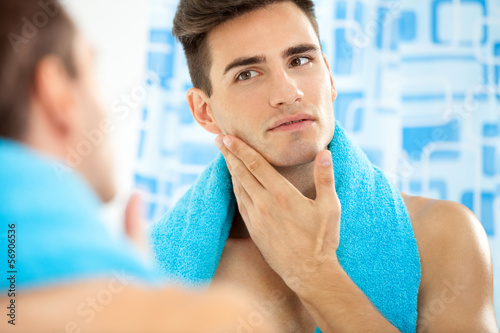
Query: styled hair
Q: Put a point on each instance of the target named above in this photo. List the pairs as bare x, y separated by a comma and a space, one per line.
196, 18
30, 30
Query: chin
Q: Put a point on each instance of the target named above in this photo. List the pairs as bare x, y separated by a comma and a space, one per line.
294, 158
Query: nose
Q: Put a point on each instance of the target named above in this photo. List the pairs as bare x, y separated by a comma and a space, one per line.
284, 91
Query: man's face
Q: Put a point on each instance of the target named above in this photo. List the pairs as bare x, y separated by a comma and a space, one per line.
96, 165
268, 70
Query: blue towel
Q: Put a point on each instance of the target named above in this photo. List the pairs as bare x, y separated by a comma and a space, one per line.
59, 236
377, 247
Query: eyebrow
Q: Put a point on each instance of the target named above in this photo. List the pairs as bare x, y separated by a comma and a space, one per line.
302, 48
260, 59
246, 61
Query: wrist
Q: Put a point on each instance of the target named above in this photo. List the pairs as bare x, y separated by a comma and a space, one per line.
311, 279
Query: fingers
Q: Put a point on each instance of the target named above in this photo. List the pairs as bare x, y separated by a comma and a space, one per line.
242, 196
254, 163
134, 224
239, 170
324, 178
244, 201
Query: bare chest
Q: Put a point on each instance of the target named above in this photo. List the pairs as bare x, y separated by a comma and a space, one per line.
243, 266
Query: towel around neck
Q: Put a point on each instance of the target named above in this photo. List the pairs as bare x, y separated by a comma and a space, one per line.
377, 249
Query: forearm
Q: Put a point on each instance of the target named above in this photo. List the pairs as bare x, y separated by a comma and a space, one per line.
338, 305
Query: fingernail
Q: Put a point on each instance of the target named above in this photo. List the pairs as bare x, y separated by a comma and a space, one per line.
227, 141
326, 159
218, 141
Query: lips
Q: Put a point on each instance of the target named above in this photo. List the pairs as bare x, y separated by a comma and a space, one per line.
291, 120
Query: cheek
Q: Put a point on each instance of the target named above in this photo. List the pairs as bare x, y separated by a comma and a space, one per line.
238, 117
220, 118
319, 95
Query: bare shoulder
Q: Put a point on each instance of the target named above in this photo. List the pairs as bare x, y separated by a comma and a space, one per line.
444, 221
456, 265
446, 227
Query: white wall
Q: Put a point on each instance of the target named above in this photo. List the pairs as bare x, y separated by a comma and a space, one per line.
118, 30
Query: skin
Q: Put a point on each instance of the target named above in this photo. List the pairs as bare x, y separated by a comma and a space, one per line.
134, 309
288, 211
61, 110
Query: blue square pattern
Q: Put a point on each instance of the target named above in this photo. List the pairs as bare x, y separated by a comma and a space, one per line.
487, 209
150, 185
438, 186
438, 22
440, 97
341, 10
169, 189
344, 50
395, 30
491, 131
445, 155
496, 53
489, 160
150, 209
198, 154
408, 26
415, 188
485, 74
344, 53
161, 36
142, 140
147, 184
342, 105
185, 116
160, 62
415, 139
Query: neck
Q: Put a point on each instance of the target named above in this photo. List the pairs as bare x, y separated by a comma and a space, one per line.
301, 177
42, 136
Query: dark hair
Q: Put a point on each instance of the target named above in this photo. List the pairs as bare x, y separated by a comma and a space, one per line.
196, 18
30, 30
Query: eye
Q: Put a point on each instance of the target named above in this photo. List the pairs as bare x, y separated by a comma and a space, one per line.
300, 61
246, 75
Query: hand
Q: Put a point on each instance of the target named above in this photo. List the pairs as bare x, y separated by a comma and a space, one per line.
134, 225
295, 234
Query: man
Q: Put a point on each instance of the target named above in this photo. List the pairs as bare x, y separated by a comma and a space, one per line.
262, 84
61, 269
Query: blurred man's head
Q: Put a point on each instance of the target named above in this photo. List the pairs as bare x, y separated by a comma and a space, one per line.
256, 66
48, 98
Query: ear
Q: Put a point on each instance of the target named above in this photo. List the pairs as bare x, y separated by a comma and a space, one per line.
199, 104
334, 91
52, 92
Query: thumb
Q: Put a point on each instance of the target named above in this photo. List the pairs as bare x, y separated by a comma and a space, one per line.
134, 223
324, 178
